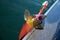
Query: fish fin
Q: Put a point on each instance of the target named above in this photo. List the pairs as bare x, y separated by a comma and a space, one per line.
26, 14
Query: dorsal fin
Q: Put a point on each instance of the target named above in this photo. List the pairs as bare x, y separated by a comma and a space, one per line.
26, 14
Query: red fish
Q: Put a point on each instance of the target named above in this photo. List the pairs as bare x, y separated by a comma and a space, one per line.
25, 29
